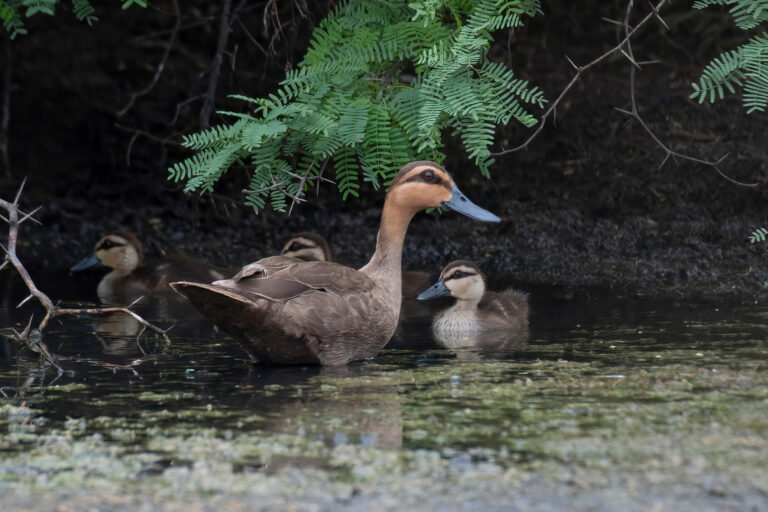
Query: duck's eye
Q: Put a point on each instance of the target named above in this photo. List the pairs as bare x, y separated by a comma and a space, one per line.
295, 246
458, 274
107, 244
428, 175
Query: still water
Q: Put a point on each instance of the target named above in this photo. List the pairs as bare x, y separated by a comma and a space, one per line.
612, 404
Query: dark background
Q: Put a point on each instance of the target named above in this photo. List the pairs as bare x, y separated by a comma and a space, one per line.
586, 204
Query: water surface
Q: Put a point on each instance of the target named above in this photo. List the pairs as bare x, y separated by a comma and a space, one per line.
613, 404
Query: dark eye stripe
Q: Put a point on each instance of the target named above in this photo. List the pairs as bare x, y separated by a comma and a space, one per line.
108, 244
436, 179
459, 274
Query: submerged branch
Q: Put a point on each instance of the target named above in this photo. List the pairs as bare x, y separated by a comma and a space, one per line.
32, 337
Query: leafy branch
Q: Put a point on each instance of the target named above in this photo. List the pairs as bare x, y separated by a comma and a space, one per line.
746, 66
379, 85
13, 12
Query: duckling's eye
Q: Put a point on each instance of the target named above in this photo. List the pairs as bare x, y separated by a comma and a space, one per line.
295, 246
428, 175
107, 244
458, 274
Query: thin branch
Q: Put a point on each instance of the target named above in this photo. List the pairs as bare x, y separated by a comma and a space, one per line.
250, 36
625, 48
160, 67
137, 133
163, 333
181, 105
33, 337
579, 72
224, 28
634, 113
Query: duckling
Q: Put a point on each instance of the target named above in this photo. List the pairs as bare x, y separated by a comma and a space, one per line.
308, 247
123, 253
287, 311
478, 318
313, 247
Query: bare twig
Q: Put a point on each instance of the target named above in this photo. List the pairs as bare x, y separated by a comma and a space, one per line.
160, 67
625, 48
181, 105
635, 114
250, 36
137, 133
305, 178
579, 72
213, 79
32, 337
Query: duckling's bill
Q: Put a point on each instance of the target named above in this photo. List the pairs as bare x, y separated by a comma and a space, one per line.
88, 262
459, 203
436, 290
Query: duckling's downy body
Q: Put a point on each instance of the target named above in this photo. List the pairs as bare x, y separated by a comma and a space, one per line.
287, 311
123, 253
478, 318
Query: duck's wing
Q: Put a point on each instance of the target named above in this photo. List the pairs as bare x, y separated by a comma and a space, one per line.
272, 303
279, 279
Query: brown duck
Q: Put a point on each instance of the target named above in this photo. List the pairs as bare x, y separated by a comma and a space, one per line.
478, 318
130, 276
309, 246
287, 311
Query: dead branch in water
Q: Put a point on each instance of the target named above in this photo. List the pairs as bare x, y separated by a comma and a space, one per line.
32, 337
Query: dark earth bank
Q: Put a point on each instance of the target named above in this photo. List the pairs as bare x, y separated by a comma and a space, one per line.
585, 205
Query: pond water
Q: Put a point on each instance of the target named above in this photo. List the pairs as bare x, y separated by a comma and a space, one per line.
613, 404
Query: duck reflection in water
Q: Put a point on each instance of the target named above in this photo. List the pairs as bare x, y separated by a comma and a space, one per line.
332, 407
479, 319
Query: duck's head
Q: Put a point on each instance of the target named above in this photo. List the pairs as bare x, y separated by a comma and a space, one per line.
307, 246
119, 250
424, 184
461, 279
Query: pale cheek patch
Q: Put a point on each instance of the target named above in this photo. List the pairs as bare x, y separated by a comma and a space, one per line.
311, 254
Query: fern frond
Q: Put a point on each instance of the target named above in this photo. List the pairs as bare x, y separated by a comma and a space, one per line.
758, 235
346, 172
84, 11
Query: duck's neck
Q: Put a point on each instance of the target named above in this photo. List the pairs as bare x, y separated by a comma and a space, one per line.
385, 266
466, 304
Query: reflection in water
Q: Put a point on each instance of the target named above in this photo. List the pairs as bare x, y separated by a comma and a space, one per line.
332, 407
489, 343
601, 390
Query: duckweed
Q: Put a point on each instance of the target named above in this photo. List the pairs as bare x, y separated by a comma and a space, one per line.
660, 411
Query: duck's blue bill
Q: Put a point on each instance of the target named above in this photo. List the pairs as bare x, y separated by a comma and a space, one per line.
460, 203
436, 290
86, 263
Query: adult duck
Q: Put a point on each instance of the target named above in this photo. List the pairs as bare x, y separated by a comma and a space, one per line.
122, 252
287, 311
479, 318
